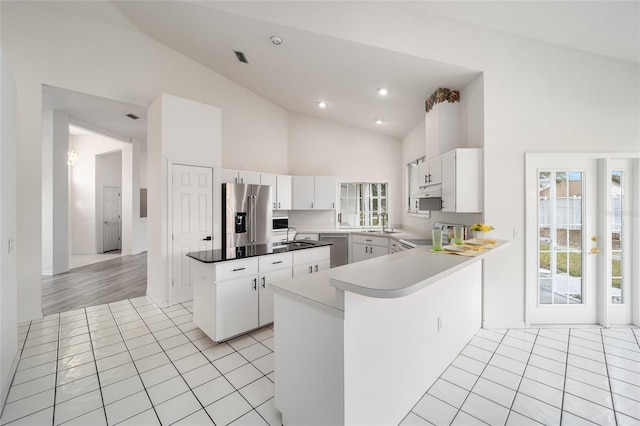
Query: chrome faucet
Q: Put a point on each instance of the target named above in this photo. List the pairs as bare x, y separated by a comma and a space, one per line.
294, 235
382, 217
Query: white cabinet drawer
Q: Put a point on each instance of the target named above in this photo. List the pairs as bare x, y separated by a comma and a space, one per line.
301, 257
236, 269
394, 246
313, 237
273, 262
371, 240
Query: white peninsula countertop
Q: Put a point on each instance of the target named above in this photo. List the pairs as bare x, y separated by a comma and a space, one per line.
361, 343
395, 275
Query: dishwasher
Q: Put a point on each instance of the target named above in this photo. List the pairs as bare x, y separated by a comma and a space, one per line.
339, 249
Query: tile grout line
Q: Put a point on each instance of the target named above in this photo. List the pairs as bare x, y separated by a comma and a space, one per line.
522, 377
606, 366
134, 366
223, 375
55, 383
95, 363
564, 382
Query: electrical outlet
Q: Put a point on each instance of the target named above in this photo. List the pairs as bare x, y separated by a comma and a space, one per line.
516, 233
439, 323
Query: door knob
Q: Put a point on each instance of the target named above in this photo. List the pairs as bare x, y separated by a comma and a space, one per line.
208, 238
595, 250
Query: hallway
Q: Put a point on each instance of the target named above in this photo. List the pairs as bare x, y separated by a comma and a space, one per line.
124, 277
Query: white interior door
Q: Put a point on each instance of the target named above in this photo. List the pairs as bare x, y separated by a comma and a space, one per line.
580, 239
111, 227
192, 223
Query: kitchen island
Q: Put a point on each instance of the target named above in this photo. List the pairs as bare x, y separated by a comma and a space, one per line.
362, 343
231, 293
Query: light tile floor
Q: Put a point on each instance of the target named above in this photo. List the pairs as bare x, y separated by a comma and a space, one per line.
130, 362
538, 377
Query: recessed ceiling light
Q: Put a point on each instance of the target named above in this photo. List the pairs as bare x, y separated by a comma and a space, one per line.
276, 40
378, 121
322, 104
383, 91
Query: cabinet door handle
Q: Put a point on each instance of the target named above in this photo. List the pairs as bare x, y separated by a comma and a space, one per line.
279, 205
368, 240
333, 205
312, 204
275, 263
366, 249
255, 283
426, 179
311, 269
264, 284
239, 269
316, 268
274, 205
241, 180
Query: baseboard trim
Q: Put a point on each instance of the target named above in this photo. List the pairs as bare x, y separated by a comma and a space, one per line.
488, 325
12, 373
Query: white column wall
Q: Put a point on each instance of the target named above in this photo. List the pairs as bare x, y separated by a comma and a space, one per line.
8, 227
187, 132
55, 203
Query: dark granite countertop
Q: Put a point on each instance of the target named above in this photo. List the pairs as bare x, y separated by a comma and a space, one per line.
220, 255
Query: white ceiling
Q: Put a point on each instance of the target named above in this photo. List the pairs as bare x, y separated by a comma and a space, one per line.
310, 67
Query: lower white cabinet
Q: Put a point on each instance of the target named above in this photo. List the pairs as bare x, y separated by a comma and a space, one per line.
265, 295
310, 261
233, 297
236, 306
365, 247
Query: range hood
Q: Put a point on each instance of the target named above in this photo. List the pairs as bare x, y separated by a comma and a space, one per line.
433, 191
429, 198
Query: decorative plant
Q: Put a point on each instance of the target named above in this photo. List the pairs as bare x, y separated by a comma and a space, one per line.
441, 95
481, 227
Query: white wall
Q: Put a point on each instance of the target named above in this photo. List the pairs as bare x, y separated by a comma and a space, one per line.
115, 63
550, 98
8, 227
320, 147
55, 204
83, 220
184, 132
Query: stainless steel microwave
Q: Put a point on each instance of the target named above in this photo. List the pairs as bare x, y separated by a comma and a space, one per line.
280, 223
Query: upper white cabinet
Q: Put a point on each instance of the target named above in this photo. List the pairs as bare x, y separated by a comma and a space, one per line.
239, 176
314, 192
442, 127
462, 181
281, 189
430, 172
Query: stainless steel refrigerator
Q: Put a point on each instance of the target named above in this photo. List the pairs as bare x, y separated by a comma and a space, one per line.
247, 217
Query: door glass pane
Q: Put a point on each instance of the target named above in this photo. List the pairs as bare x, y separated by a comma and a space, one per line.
617, 242
560, 223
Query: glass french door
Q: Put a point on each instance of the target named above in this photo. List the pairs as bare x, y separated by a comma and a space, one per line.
579, 241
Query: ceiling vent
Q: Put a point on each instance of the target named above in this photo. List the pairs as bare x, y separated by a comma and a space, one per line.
241, 57
133, 116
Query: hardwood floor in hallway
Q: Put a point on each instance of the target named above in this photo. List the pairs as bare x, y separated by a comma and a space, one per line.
109, 281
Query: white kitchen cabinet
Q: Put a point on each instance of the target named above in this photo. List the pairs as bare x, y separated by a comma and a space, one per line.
430, 172
314, 192
280, 189
325, 192
365, 247
310, 261
236, 306
284, 195
442, 127
462, 181
277, 267
239, 176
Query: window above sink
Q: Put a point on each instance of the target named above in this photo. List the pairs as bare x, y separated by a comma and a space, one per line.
363, 205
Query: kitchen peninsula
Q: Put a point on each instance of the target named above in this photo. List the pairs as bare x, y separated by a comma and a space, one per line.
360, 344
